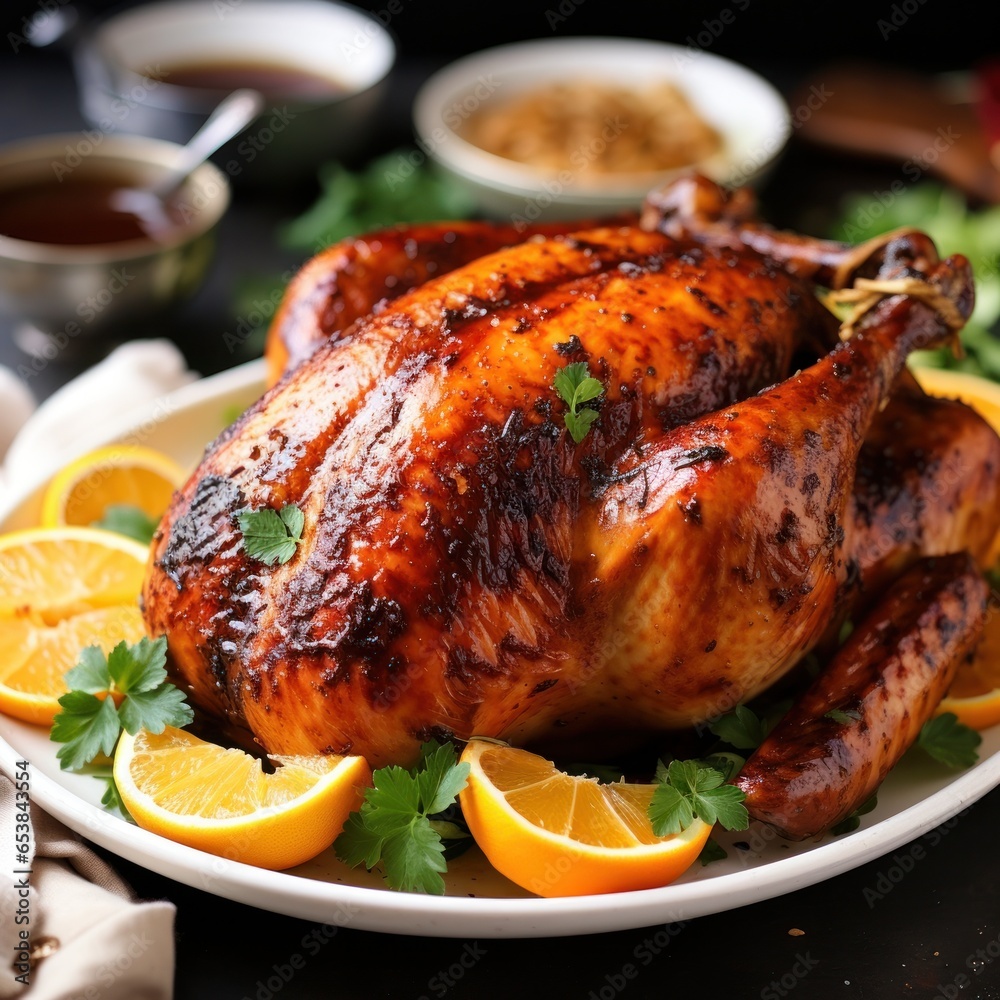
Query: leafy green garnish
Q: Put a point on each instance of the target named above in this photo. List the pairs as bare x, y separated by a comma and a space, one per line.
128, 520
271, 536
949, 741
740, 728
401, 186
687, 790
90, 722
843, 715
945, 215
575, 386
850, 823
712, 851
394, 827
111, 799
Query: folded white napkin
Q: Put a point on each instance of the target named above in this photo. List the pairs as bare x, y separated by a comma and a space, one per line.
81, 932
36, 441
87, 932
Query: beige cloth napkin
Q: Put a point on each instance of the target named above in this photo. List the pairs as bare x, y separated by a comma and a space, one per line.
96, 939
36, 441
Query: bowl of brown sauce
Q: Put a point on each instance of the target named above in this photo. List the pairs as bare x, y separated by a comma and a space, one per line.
76, 267
159, 68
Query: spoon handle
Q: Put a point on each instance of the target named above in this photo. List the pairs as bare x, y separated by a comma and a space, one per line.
230, 117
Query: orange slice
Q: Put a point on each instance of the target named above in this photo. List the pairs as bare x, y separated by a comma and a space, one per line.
129, 475
557, 834
221, 801
61, 589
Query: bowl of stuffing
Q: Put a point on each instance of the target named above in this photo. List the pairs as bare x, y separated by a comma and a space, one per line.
560, 128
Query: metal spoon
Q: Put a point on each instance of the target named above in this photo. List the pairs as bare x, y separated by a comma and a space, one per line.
232, 115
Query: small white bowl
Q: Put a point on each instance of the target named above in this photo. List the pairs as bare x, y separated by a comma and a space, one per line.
750, 115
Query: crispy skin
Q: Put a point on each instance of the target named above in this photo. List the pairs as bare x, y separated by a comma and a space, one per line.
359, 275
467, 569
452, 525
813, 771
927, 483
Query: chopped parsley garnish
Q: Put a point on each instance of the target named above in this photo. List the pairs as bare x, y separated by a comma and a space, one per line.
128, 520
575, 386
395, 826
271, 536
127, 689
712, 851
740, 728
688, 790
843, 716
850, 823
949, 741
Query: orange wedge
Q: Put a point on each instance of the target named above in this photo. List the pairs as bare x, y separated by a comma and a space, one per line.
556, 834
61, 589
126, 475
221, 801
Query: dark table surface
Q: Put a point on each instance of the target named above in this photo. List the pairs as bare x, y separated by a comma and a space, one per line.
921, 922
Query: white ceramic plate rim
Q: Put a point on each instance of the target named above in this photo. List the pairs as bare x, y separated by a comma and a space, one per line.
460, 916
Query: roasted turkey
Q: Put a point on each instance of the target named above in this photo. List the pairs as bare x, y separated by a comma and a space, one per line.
761, 468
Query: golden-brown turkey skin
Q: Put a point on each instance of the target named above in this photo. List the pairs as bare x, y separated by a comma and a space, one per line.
927, 483
352, 278
833, 749
446, 582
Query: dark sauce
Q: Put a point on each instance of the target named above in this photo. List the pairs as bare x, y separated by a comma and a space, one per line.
273, 80
74, 211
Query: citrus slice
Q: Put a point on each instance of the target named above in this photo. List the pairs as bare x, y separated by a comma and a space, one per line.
221, 801
61, 589
117, 475
557, 834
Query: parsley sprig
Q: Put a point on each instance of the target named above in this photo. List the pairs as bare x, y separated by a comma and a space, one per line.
129, 520
949, 741
395, 828
688, 790
575, 386
271, 536
127, 689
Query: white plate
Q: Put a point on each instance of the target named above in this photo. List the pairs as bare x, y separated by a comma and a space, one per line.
917, 796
